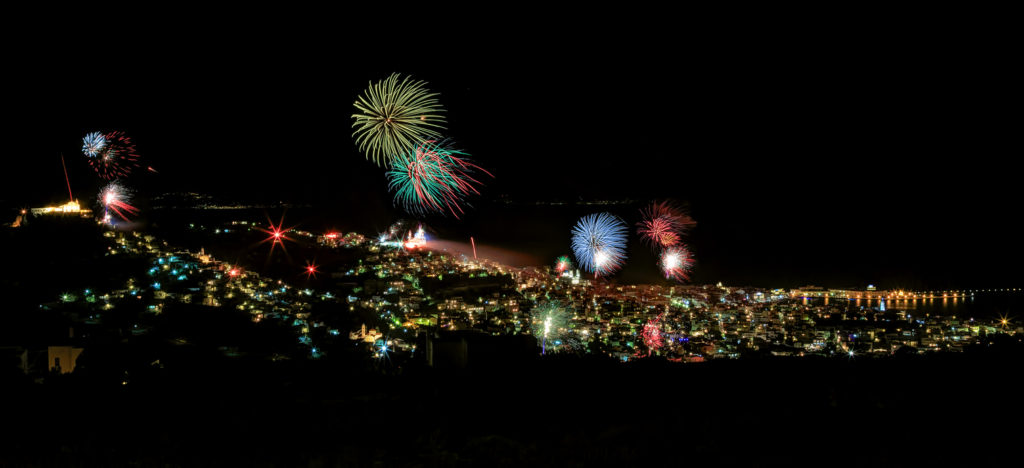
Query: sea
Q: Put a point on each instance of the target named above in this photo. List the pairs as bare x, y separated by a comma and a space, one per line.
977, 304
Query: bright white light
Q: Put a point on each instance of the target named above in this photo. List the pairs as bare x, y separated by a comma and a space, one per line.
672, 261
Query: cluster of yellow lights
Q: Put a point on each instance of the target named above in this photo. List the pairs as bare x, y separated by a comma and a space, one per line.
69, 207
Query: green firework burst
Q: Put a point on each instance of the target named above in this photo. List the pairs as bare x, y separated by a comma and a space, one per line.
394, 116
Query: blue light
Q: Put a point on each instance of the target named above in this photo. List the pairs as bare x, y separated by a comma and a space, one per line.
160, 261
182, 278
156, 286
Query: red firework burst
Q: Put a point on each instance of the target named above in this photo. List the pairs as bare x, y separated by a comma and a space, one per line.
311, 270
276, 234
663, 224
116, 158
660, 232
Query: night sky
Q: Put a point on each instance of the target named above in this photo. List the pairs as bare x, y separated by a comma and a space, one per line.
829, 163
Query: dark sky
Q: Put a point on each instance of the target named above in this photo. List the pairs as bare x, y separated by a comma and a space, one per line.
811, 159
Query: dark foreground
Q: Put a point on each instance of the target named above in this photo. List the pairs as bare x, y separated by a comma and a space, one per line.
194, 405
913, 410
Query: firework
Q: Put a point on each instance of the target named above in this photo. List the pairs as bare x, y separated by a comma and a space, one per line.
659, 232
276, 234
663, 224
676, 263
433, 178
563, 264
115, 197
395, 115
311, 270
599, 243
652, 335
93, 143
114, 158
549, 321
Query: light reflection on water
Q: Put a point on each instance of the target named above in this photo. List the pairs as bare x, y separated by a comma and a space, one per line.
982, 305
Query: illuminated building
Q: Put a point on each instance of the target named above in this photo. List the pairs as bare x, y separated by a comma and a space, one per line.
62, 358
71, 207
336, 239
417, 241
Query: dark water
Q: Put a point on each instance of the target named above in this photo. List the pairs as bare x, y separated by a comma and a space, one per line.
981, 306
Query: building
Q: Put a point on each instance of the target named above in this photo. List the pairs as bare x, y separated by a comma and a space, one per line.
71, 207
62, 359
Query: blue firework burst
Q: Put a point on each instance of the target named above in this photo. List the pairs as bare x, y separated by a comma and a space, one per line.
599, 243
93, 143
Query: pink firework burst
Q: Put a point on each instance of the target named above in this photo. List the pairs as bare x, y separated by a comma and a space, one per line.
115, 198
652, 335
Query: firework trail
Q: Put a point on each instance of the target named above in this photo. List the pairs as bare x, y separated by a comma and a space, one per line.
115, 197
599, 243
549, 321
676, 263
111, 155
395, 116
433, 178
